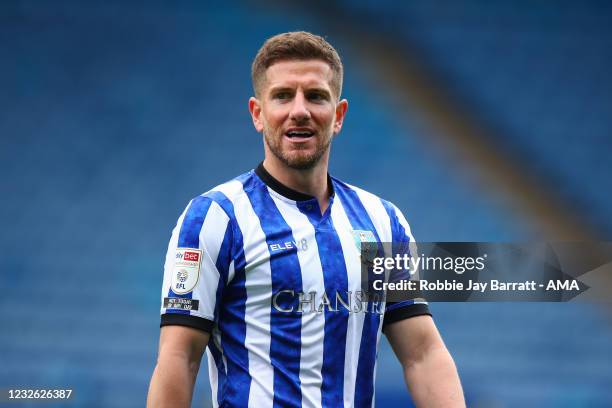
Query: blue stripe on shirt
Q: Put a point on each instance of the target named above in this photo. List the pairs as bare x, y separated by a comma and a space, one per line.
364, 383
335, 280
231, 319
285, 328
222, 264
401, 243
221, 377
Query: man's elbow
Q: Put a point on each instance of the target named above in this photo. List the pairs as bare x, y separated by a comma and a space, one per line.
173, 380
182, 360
436, 355
193, 367
434, 379
434, 349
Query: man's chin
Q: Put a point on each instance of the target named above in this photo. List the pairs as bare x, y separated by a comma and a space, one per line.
301, 161
301, 164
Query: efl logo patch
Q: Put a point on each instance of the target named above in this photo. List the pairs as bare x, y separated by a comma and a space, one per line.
186, 271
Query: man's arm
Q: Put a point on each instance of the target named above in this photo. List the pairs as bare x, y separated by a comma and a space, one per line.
429, 370
178, 362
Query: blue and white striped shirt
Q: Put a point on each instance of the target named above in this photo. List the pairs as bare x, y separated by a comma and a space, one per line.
278, 286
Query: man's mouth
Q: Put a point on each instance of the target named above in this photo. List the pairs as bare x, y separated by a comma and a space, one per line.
299, 133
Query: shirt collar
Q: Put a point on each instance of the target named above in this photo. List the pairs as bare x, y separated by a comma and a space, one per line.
282, 189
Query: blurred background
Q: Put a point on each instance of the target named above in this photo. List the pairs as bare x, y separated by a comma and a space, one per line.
482, 121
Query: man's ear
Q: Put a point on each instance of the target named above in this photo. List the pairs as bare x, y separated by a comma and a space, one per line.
341, 109
255, 110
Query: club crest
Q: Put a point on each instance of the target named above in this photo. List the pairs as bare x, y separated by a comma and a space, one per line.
366, 244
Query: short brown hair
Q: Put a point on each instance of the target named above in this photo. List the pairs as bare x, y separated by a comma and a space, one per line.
296, 45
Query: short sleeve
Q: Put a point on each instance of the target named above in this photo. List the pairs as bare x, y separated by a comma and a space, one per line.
195, 270
404, 243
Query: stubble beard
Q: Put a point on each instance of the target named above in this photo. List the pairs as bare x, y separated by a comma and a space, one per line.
296, 159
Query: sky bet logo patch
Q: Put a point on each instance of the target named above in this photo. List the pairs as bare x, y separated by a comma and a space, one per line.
191, 256
186, 271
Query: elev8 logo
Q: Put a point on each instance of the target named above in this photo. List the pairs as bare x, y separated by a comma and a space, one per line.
301, 245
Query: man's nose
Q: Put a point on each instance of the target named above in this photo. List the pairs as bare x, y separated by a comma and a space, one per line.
299, 110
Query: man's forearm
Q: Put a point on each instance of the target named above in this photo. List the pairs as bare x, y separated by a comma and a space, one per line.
433, 380
172, 382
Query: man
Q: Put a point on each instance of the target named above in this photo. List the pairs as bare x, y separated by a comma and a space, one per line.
265, 269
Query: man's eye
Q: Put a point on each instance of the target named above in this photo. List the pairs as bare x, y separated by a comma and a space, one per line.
282, 95
317, 97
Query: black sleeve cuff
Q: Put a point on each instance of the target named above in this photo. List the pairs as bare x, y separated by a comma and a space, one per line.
196, 322
405, 312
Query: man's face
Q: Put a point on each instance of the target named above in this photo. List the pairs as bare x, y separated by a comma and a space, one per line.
298, 112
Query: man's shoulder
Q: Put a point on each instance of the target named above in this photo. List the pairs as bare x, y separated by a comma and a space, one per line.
361, 193
379, 209
230, 189
226, 193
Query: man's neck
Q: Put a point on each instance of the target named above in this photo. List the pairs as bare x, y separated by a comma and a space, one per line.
312, 181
